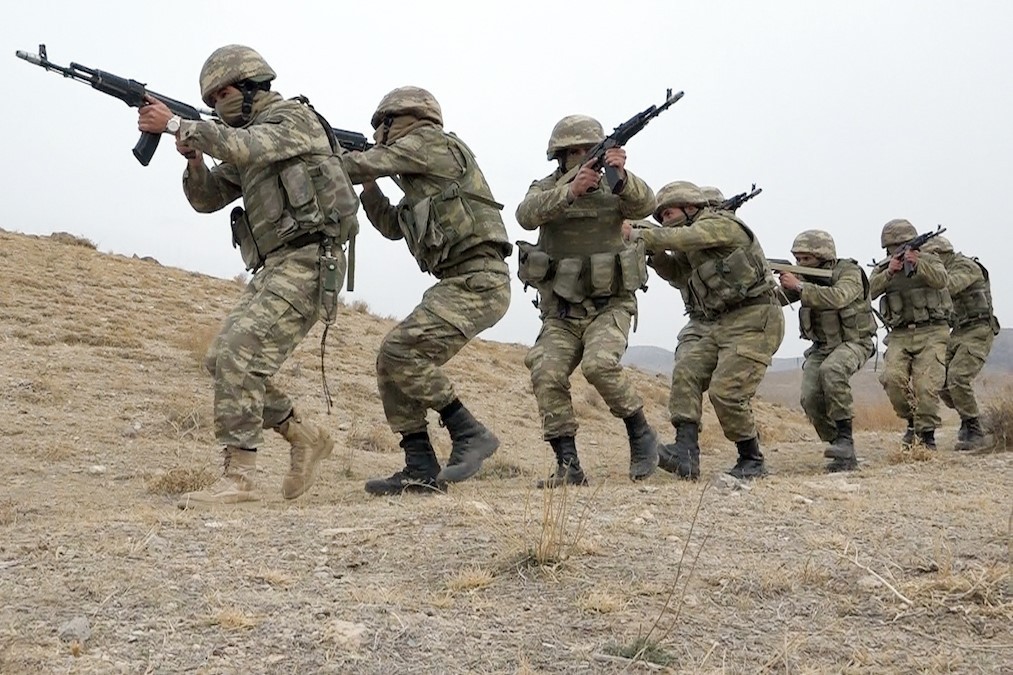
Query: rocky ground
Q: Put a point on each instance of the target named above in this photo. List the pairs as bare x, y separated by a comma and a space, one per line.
903, 566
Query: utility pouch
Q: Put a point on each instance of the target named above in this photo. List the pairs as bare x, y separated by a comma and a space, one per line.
602, 274
532, 263
329, 285
633, 266
568, 282
242, 238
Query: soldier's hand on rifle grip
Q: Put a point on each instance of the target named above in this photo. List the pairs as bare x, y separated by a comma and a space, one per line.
789, 281
153, 116
896, 265
587, 178
616, 158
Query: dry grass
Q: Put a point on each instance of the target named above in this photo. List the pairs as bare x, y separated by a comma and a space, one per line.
179, 480
372, 438
561, 525
360, 306
8, 512
997, 420
469, 579
72, 240
600, 601
196, 341
188, 421
876, 418
914, 453
233, 619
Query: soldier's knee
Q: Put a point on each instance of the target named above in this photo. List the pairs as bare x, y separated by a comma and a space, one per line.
599, 366
211, 360
391, 355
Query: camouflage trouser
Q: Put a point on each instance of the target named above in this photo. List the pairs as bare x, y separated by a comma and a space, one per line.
914, 371
826, 384
966, 352
596, 342
726, 357
451, 313
276, 311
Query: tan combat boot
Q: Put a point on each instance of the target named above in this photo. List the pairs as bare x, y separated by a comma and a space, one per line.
310, 444
236, 484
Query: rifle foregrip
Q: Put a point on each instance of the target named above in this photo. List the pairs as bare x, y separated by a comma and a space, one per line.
616, 183
146, 146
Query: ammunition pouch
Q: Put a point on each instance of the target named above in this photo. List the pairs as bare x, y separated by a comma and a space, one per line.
721, 285
533, 264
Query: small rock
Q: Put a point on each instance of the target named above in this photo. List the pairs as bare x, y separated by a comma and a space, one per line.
77, 629
344, 426
649, 488
97, 469
157, 544
646, 515
799, 499
731, 482
345, 634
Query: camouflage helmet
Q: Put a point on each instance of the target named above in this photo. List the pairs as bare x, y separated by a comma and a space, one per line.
816, 243
679, 193
573, 131
714, 196
414, 101
897, 231
938, 244
231, 64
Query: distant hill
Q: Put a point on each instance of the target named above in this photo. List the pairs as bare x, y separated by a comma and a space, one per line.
659, 360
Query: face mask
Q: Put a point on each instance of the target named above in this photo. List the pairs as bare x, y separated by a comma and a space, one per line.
677, 220
230, 109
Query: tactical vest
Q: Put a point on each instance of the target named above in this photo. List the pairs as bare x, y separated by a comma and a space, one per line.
831, 327
727, 278
289, 202
908, 301
440, 228
581, 254
973, 304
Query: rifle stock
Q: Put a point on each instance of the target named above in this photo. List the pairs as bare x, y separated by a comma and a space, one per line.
783, 265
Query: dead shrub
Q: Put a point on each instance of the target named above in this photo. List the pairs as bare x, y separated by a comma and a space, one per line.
179, 480
196, 341
469, 579
72, 240
500, 469
187, 421
916, 452
998, 420
360, 306
241, 279
556, 533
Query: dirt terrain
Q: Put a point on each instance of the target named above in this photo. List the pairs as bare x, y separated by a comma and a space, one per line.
105, 415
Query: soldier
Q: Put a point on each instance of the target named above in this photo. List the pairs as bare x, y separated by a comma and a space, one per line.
586, 279
735, 324
715, 197
837, 316
300, 209
452, 226
915, 310
974, 326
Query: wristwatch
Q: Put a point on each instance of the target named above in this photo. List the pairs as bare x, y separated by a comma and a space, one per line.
172, 126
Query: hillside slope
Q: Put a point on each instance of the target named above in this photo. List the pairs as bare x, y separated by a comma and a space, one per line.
105, 412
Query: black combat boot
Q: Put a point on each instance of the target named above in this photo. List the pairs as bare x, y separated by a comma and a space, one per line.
750, 464
568, 471
472, 443
420, 473
909, 434
683, 457
928, 438
643, 446
974, 437
842, 450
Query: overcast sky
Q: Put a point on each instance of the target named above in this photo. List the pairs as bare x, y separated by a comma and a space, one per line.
847, 114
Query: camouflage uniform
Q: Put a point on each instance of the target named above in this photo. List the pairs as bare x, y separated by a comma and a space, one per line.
453, 228
735, 325
299, 205
836, 316
973, 328
916, 310
586, 279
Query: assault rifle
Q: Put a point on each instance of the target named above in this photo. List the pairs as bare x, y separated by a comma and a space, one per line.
913, 245
619, 137
733, 203
783, 265
133, 92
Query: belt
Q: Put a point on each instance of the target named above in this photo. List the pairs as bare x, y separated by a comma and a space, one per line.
483, 264
750, 302
305, 240
923, 324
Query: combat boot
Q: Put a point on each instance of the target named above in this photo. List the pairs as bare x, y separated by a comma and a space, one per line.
472, 443
750, 464
236, 484
309, 443
843, 445
974, 437
421, 471
683, 457
568, 471
643, 446
928, 438
909, 434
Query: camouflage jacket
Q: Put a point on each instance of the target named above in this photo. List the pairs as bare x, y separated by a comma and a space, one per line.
283, 166
835, 310
969, 287
910, 301
447, 216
